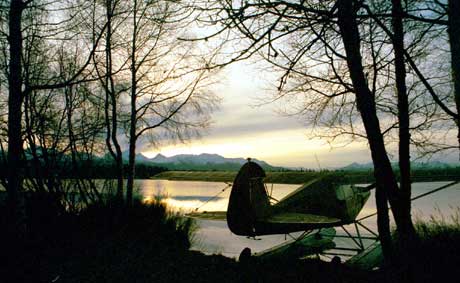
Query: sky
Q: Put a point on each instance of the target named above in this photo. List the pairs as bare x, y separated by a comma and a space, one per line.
242, 127
245, 127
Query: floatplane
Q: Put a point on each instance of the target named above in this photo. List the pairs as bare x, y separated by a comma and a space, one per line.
314, 209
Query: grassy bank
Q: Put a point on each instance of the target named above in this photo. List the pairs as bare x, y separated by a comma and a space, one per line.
103, 242
300, 177
106, 242
289, 177
437, 254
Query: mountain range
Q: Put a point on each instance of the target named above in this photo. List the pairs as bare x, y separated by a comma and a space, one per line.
204, 161
216, 162
207, 161
414, 165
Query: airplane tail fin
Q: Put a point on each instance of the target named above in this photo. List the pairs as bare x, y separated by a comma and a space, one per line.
248, 200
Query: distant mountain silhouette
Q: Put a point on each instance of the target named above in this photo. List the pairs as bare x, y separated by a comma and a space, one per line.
414, 165
358, 166
203, 158
204, 161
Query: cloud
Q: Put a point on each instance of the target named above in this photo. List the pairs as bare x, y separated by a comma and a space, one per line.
252, 122
241, 129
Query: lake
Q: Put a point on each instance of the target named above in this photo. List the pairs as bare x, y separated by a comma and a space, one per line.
215, 237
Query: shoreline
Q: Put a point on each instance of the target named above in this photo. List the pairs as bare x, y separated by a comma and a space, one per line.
294, 177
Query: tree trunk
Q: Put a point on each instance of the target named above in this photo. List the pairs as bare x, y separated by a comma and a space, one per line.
133, 117
15, 145
406, 229
110, 92
132, 143
454, 39
386, 182
131, 171
36, 172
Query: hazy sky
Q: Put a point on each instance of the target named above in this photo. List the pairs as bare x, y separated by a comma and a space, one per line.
242, 129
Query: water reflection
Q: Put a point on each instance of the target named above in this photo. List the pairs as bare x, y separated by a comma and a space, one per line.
215, 237
191, 195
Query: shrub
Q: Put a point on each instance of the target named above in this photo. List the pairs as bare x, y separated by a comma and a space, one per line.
104, 236
438, 253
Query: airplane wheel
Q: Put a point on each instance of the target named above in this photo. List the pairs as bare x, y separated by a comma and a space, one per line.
336, 260
245, 255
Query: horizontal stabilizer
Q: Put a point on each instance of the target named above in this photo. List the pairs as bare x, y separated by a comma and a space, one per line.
209, 215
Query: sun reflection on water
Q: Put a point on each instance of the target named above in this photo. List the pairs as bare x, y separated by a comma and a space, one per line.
188, 196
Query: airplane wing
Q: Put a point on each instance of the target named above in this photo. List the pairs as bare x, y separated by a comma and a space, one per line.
300, 218
209, 215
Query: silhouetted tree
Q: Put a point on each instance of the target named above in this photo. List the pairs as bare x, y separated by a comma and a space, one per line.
167, 90
112, 90
337, 56
15, 100
30, 17
453, 29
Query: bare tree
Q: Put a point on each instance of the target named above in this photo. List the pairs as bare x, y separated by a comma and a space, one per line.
114, 18
432, 19
167, 91
24, 16
386, 181
344, 59
453, 30
15, 100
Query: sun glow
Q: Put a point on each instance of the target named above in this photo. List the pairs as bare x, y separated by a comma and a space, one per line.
242, 130
283, 148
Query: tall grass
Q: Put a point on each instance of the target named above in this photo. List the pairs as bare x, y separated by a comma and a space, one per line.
440, 244
437, 256
104, 237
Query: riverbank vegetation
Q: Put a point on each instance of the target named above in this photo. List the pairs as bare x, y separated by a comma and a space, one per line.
437, 252
146, 242
86, 168
105, 242
304, 176
102, 242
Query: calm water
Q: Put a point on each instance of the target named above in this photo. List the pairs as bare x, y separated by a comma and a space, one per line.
215, 237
